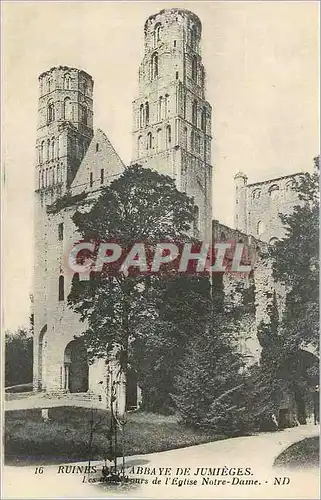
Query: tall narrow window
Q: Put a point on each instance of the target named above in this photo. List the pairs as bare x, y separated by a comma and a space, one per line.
85, 115
196, 220
176, 75
260, 227
160, 108
47, 178
154, 66
168, 136
166, 103
197, 144
50, 111
52, 151
50, 176
60, 231
102, 173
194, 38
185, 137
139, 146
48, 150
174, 43
149, 140
157, 34
67, 82
141, 116
58, 174
91, 179
61, 148
146, 113
194, 69
194, 113
54, 175
203, 120
97, 147
42, 152
67, 109
61, 290
159, 140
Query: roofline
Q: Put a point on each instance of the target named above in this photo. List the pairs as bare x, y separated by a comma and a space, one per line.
65, 68
275, 179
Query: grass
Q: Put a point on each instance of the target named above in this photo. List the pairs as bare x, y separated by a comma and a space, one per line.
65, 438
305, 453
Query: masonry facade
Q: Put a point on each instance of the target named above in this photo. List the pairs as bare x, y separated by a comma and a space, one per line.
258, 205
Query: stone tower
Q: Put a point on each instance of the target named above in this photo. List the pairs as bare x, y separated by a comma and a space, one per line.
240, 181
171, 117
65, 127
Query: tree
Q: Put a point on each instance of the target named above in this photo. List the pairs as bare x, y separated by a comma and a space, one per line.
18, 357
183, 306
209, 384
123, 308
296, 264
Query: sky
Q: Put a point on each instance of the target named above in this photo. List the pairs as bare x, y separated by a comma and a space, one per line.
262, 69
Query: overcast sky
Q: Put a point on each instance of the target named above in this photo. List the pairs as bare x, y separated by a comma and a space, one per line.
262, 71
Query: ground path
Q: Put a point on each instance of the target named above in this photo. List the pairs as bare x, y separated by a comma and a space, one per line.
256, 452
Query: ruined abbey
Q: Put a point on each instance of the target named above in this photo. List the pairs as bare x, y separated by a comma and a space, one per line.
171, 134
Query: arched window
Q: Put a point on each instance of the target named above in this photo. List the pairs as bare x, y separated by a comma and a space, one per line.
154, 66
160, 108
149, 140
289, 185
48, 150
42, 152
273, 240
203, 119
47, 178
256, 194
139, 146
42, 179
194, 113
91, 179
50, 176
141, 116
61, 288
54, 178
194, 38
67, 109
102, 175
85, 115
52, 149
273, 191
223, 236
194, 69
260, 227
49, 84
97, 147
168, 136
159, 139
146, 113
58, 174
67, 82
166, 105
50, 111
157, 34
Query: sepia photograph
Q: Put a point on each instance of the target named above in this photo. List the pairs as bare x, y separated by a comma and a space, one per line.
160, 249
